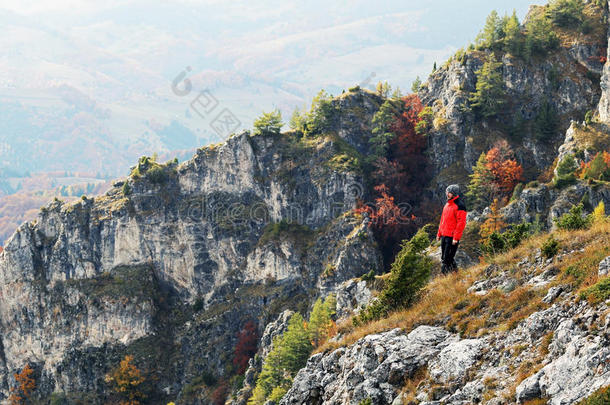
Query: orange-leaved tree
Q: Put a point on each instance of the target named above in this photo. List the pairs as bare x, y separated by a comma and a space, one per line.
391, 223
126, 381
503, 166
25, 385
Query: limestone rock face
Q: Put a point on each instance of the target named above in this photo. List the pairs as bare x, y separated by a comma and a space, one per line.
458, 137
549, 203
604, 101
372, 368
175, 259
563, 350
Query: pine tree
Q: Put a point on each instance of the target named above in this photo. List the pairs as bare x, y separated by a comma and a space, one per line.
409, 274
297, 120
383, 126
565, 171
270, 122
565, 13
321, 114
491, 31
513, 39
545, 123
320, 320
481, 188
288, 355
488, 97
416, 85
383, 89
539, 37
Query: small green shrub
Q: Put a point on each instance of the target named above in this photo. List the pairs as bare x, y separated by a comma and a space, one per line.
409, 273
499, 242
517, 191
574, 219
550, 247
598, 292
58, 398
565, 172
198, 305
577, 272
157, 175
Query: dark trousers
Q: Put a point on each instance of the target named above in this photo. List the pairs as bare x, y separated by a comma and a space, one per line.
448, 250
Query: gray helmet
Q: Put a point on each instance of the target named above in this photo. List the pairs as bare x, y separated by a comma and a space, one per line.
453, 189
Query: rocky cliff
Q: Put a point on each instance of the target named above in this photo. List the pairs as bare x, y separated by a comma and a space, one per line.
175, 259
513, 331
171, 263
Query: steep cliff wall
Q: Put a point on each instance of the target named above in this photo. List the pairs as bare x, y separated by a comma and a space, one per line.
173, 261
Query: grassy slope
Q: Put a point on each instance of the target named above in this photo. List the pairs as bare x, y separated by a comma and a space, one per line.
446, 302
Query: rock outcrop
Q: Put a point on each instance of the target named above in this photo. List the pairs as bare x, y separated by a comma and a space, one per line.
176, 258
565, 346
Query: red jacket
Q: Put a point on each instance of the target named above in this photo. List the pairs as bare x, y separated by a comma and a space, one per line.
453, 219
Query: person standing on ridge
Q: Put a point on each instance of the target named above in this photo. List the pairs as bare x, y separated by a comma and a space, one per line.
453, 222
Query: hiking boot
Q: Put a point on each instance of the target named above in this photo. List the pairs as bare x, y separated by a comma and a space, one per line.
445, 269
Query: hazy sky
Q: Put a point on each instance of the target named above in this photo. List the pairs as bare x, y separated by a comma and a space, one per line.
102, 71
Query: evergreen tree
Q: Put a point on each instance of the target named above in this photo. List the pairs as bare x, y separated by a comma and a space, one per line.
383, 89
289, 353
565, 13
545, 123
297, 120
321, 114
513, 39
295, 347
383, 131
320, 320
409, 273
270, 122
565, 171
539, 37
491, 31
416, 85
488, 98
481, 188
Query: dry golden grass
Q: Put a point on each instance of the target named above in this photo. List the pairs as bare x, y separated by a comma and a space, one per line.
446, 302
537, 401
436, 302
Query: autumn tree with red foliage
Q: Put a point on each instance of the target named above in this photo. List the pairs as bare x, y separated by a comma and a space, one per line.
391, 223
404, 170
25, 385
246, 346
494, 177
399, 171
504, 168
